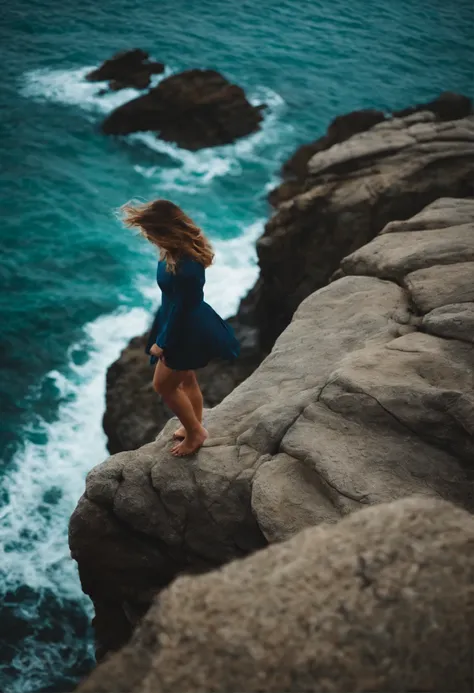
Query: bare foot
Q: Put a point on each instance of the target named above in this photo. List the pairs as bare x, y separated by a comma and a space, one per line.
180, 434
177, 443
191, 443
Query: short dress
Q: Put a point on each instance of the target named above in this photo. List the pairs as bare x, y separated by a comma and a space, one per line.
188, 330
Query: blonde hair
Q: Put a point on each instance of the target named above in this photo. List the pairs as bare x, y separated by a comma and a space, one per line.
166, 225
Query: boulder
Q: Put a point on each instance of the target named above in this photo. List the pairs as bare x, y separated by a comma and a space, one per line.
365, 398
127, 69
194, 109
382, 601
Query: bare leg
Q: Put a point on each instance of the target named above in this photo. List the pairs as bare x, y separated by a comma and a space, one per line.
167, 383
191, 387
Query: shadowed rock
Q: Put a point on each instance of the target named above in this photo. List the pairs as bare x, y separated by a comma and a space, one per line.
339, 130
383, 601
195, 109
127, 69
448, 106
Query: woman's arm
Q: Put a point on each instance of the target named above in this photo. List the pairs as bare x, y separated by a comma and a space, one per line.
153, 331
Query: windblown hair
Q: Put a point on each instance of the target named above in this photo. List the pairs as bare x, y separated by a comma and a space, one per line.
166, 225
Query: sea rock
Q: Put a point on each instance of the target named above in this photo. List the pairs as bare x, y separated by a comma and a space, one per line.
195, 109
382, 601
127, 69
365, 398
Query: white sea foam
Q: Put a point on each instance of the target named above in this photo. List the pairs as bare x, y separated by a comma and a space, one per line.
193, 171
234, 271
66, 450
70, 87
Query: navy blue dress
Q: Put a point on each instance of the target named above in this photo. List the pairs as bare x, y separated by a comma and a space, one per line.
188, 330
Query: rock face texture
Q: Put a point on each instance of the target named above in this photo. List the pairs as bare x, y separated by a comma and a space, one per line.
354, 189
448, 106
195, 109
365, 398
383, 601
295, 170
127, 69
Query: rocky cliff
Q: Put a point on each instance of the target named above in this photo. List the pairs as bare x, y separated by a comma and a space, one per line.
346, 189
366, 397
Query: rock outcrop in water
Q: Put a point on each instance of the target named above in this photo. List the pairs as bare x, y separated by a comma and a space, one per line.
365, 398
194, 109
383, 601
353, 189
127, 69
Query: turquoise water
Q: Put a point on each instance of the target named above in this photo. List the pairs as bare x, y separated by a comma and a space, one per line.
75, 286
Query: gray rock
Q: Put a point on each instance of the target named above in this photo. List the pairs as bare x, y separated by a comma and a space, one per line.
439, 214
394, 255
448, 106
382, 601
440, 285
455, 321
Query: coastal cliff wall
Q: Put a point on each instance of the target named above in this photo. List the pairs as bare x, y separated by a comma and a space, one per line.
364, 399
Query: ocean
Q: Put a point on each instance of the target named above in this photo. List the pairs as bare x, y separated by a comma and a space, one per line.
76, 286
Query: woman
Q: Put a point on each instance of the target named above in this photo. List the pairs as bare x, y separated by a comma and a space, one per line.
186, 333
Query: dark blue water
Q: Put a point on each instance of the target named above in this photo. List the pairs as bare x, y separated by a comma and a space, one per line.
75, 286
